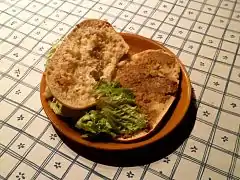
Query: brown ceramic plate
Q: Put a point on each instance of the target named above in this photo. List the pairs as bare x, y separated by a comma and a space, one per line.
137, 44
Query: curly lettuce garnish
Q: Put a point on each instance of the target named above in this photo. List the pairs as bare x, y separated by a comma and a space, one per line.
116, 113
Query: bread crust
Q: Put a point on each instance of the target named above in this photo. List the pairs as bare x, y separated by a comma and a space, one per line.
90, 52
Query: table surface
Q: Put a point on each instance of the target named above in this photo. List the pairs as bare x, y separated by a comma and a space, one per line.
204, 34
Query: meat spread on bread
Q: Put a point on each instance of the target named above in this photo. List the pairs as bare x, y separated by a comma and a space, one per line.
153, 77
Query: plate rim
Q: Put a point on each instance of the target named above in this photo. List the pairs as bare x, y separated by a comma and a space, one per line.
114, 144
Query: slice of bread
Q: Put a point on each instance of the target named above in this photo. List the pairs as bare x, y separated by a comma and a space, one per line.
87, 54
153, 76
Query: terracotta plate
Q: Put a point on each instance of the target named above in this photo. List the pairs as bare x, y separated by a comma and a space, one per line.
174, 117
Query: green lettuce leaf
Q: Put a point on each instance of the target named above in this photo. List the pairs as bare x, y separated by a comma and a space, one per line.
55, 106
116, 113
93, 123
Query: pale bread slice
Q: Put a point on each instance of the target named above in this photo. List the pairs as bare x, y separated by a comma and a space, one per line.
161, 65
87, 54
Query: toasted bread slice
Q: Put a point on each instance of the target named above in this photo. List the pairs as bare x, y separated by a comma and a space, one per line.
87, 54
153, 76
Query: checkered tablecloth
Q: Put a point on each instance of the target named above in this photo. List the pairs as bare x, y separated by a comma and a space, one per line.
204, 34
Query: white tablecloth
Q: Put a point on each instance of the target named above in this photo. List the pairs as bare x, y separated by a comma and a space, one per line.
204, 34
